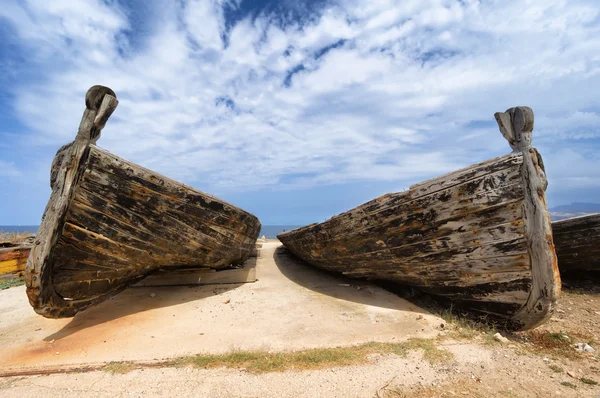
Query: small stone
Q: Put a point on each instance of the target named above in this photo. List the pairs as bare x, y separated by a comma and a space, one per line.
572, 374
584, 347
419, 317
500, 338
227, 301
51, 341
545, 359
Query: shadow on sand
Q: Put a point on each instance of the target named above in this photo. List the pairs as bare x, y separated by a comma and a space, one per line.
134, 300
338, 286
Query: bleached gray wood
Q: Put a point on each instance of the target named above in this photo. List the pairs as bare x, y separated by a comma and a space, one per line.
546, 285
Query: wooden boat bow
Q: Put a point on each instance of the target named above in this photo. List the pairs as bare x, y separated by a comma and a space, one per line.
516, 125
109, 223
480, 236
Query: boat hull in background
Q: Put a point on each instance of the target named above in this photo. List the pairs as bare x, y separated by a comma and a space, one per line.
577, 243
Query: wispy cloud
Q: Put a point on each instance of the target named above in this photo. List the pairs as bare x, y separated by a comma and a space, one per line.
8, 169
232, 99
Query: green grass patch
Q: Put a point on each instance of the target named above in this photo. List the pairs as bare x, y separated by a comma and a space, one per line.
8, 283
556, 368
588, 381
568, 384
262, 361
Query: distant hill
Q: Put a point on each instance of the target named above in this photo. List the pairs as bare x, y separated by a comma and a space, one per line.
573, 210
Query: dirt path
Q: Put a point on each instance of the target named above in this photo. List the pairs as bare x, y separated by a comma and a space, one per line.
459, 361
289, 307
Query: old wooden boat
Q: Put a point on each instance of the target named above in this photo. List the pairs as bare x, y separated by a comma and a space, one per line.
480, 236
13, 257
109, 223
577, 243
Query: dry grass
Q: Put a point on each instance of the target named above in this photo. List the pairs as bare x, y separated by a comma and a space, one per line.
557, 344
262, 362
431, 353
462, 388
119, 367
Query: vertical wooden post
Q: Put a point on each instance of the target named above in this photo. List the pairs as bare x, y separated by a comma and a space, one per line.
100, 103
516, 125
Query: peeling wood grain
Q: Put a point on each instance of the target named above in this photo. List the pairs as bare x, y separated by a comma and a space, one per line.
109, 223
479, 235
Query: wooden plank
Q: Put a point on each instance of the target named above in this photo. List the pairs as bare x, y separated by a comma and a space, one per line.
199, 277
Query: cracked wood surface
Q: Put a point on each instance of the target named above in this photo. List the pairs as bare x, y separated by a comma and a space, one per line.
577, 243
109, 223
480, 236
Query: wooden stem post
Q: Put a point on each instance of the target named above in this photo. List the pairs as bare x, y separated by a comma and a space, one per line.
516, 125
100, 103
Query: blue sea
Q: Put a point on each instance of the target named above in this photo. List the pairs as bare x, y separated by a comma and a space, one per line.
32, 229
270, 231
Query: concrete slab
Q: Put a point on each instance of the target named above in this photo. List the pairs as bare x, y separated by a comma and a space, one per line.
291, 306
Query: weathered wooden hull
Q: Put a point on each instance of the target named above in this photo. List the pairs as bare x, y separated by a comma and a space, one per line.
110, 223
13, 259
480, 236
577, 243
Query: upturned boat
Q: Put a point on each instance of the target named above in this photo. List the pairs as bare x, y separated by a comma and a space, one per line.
480, 236
109, 223
577, 243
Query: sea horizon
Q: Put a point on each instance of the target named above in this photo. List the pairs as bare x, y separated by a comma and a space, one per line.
269, 231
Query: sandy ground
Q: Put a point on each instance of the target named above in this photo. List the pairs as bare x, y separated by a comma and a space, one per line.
289, 307
479, 366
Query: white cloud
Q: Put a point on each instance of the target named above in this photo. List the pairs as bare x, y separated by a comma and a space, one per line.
8, 169
390, 101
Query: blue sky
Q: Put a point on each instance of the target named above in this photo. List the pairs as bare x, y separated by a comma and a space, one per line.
299, 110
